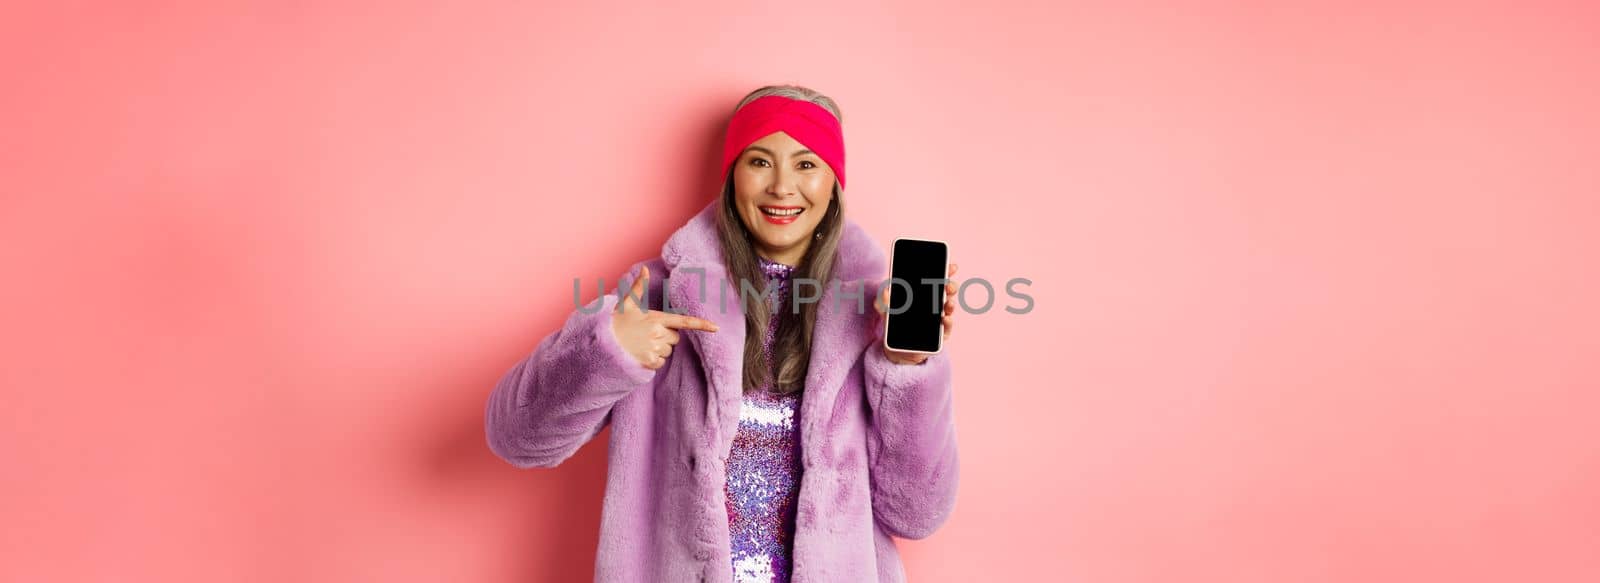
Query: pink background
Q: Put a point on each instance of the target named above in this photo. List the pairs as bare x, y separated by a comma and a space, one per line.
1315, 286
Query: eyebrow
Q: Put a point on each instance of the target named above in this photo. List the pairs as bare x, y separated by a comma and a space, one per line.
800, 152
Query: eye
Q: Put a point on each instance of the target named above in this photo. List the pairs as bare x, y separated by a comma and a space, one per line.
758, 161
807, 164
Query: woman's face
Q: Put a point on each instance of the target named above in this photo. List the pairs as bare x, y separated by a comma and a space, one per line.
777, 174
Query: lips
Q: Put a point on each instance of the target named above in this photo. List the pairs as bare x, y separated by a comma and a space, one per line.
781, 215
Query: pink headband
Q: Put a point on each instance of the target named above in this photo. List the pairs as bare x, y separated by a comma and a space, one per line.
806, 122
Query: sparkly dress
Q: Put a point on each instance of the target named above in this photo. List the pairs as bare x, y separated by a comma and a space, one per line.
764, 467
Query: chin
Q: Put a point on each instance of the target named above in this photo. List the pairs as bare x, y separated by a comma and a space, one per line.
776, 242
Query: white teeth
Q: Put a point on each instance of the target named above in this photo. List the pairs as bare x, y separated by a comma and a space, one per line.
781, 213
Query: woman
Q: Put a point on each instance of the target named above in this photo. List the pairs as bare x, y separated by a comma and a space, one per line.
783, 439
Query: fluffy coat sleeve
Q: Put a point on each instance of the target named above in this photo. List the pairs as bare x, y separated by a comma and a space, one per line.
560, 396
911, 443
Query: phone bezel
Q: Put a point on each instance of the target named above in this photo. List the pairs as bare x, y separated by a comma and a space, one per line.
945, 271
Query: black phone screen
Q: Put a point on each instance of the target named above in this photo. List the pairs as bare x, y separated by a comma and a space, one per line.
917, 326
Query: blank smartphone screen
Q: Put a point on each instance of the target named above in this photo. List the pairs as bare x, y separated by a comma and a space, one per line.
918, 326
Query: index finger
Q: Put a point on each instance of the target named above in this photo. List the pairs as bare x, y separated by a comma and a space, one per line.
671, 320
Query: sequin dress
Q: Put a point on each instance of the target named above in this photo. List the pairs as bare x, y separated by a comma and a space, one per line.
764, 467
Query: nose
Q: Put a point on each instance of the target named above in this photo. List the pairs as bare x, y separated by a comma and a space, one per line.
782, 183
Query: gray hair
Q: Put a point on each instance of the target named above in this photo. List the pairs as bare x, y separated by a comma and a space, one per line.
794, 92
791, 348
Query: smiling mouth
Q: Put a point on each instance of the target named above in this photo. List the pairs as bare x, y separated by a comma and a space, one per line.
782, 211
779, 215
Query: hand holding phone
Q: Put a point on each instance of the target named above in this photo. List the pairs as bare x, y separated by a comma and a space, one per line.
918, 303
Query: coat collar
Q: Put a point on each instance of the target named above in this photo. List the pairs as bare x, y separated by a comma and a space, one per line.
843, 328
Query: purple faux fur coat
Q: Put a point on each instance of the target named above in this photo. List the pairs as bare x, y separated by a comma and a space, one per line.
878, 439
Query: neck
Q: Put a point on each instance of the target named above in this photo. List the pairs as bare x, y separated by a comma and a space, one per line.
791, 256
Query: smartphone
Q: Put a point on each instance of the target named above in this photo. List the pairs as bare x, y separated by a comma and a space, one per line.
918, 327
